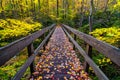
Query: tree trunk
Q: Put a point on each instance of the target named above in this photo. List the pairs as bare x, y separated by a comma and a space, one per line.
57, 8
34, 10
91, 15
66, 8
106, 3
14, 13
63, 3
47, 7
2, 14
82, 13
27, 11
1, 2
89, 48
39, 6
32, 7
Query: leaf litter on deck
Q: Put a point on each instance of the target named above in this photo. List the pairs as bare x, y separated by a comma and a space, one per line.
59, 61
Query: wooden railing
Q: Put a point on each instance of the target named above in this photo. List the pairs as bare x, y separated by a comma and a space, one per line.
108, 50
9, 51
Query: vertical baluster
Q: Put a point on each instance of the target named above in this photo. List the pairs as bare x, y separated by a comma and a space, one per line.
31, 52
43, 39
89, 48
89, 53
75, 38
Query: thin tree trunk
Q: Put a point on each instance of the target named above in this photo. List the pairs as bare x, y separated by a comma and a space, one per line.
66, 8
47, 7
32, 7
106, 3
39, 6
1, 2
89, 48
57, 8
34, 10
14, 13
3, 12
91, 15
82, 13
98, 1
63, 6
27, 11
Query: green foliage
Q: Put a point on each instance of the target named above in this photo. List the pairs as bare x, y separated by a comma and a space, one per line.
9, 70
101, 60
117, 6
12, 29
84, 28
117, 23
69, 13
110, 35
107, 66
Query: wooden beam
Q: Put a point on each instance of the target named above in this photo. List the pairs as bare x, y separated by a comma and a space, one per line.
31, 52
30, 59
75, 38
89, 53
96, 69
9, 51
108, 50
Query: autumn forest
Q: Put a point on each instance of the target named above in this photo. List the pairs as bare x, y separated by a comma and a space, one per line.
97, 18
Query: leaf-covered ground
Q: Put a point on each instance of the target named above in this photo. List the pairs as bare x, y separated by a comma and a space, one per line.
59, 61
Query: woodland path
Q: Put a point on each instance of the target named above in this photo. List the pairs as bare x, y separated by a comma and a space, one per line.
59, 61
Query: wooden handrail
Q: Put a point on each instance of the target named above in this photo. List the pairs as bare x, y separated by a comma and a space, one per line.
9, 51
96, 69
30, 59
108, 50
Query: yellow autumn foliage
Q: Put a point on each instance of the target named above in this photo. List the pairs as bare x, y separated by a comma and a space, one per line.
14, 29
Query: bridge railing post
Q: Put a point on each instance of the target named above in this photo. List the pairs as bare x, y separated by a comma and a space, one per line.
44, 35
75, 38
30, 49
89, 53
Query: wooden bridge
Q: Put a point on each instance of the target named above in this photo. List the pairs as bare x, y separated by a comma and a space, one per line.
59, 61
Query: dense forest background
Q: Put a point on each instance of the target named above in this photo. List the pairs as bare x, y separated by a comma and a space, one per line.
19, 18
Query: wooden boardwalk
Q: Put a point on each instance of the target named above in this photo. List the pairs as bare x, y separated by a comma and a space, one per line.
59, 61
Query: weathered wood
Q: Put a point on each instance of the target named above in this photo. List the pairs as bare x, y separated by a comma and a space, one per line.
108, 50
89, 53
45, 43
30, 59
9, 51
75, 38
96, 69
30, 52
89, 48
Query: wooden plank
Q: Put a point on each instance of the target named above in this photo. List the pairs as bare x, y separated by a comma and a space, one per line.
31, 52
30, 59
96, 69
12, 49
108, 50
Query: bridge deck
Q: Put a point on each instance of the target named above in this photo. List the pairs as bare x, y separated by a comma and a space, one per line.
59, 61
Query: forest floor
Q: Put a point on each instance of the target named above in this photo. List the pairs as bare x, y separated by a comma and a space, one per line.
59, 61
